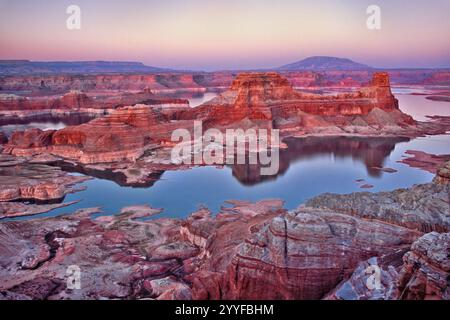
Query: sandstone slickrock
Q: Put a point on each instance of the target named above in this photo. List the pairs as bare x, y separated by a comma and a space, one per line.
249, 250
25, 181
303, 255
22, 180
14, 209
114, 256
360, 285
443, 175
423, 207
420, 273
426, 269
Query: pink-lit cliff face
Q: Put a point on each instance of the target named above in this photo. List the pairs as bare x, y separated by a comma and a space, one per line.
227, 34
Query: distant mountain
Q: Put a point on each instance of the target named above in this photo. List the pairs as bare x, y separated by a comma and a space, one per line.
322, 63
12, 67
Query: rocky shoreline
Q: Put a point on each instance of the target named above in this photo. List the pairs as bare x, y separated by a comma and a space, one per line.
308, 253
32, 187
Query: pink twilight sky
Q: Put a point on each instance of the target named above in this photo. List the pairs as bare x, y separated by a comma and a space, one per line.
227, 34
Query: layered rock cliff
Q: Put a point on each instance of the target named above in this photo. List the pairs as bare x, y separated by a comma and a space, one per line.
306, 253
79, 101
269, 100
200, 82
255, 100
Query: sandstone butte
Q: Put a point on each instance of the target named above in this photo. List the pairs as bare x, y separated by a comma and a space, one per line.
254, 100
248, 251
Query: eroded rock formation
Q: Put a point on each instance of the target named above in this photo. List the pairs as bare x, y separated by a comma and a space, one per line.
304, 255
166, 81
426, 268
423, 207
117, 257
123, 135
80, 101
270, 98
28, 181
418, 274
443, 175
255, 100
32, 182
249, 250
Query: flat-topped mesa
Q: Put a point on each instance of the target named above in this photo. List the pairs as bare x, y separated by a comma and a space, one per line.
72, 100
77, 100
376, 95
269, 97
270, 89
255, 91
259, 89
248, 98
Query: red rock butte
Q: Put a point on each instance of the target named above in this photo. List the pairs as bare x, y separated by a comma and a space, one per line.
269, 96
258, 100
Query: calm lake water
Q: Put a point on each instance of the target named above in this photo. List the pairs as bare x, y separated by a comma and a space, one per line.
309, 167
420, 107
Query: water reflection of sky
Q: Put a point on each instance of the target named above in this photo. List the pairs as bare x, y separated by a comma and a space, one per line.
419, 107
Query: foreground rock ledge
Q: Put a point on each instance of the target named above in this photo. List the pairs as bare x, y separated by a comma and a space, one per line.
41, 186
248, 251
